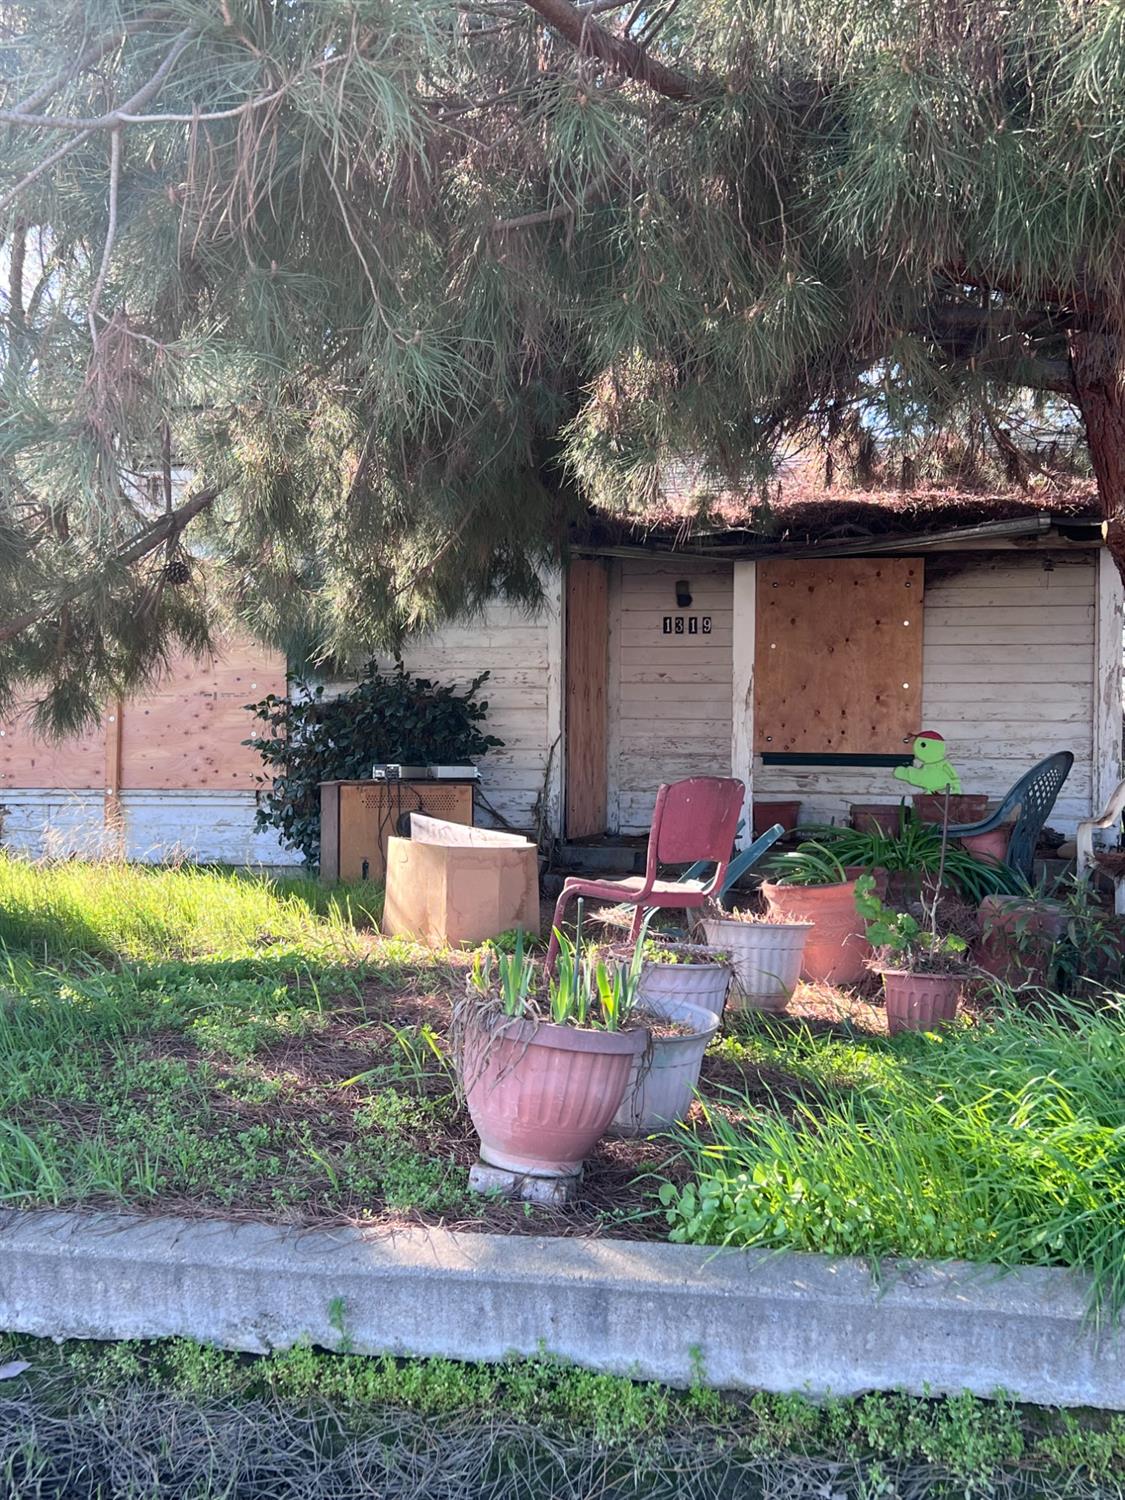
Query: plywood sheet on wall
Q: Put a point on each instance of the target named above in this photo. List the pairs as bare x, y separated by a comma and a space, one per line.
587, 657
189, 733
838, 656
185, 736
76, 764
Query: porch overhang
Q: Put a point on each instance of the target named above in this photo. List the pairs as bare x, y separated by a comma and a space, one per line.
1039, 528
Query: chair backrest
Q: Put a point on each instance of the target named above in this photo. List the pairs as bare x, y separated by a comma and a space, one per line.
1034, 795
695, 819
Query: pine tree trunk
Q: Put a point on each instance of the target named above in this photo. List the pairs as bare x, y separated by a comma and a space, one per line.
1099, 384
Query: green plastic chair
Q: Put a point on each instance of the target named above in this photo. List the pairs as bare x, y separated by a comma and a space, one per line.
1032, 798
739, 863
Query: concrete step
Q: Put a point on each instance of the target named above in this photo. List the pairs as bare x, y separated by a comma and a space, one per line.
602, 858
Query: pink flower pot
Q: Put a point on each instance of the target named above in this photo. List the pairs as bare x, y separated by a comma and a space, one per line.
1018, 939
920, 1002
541, 1095
836, 951
988, 846
964, 807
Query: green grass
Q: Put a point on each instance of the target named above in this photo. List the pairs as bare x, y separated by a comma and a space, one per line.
207, 1041
156, 1027
113, 910
1004, 1143
640, 1435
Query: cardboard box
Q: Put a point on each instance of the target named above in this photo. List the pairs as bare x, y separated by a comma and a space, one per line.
451, 884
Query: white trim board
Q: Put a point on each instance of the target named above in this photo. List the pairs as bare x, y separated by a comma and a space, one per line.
1107, 707
742, 686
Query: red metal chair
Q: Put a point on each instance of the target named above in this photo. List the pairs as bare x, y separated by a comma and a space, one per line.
692, 820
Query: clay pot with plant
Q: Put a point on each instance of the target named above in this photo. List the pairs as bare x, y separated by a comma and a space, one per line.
906, 862
544, 1061
812, 889
923, 971
766, 953
1019, 939
697, 973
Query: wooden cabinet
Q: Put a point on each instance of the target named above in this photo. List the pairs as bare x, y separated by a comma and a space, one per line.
358, 817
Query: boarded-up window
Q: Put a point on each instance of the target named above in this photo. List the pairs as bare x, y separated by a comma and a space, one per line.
186, 735
838, 656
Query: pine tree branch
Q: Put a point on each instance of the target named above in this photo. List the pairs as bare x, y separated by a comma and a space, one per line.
85, 59
114, 117
37, 171
169, 525
620, 53
110, 233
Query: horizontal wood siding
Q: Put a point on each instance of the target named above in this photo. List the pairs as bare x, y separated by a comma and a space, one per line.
512, 646
673, 704
1008, 677
155, 826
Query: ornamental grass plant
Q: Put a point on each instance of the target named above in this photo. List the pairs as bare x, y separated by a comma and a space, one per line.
1002, 1143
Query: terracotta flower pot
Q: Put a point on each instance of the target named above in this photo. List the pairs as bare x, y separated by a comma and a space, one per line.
920, 1002
836, 951
662, 1083
541, 1095
1018, 939
964, 807
702, 984
766, 814
766, 957
876, 817
990, 846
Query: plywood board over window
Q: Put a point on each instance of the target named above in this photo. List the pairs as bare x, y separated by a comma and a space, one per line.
838, 658
186, 735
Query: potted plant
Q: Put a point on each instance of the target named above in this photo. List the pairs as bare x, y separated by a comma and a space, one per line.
662, 1081
923, 971
766, 953
906, 861
766, 813
877, 817
694, 972
812, 886
1020, 938
679, 1000
544, 1061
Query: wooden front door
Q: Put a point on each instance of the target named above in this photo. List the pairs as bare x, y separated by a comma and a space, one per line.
586, 670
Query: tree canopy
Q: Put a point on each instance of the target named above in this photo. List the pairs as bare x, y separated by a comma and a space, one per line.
402, 284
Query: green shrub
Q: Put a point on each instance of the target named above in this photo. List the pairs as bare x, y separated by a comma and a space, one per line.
310, 737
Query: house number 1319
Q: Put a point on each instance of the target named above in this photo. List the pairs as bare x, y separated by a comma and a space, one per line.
686, 625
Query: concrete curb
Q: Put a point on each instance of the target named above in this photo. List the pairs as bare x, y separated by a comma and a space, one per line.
745, 1319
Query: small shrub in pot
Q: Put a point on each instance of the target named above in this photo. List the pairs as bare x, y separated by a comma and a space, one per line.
697, 973
923, 971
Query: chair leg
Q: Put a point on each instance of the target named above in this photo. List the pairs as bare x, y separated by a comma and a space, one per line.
638, 922
556, 922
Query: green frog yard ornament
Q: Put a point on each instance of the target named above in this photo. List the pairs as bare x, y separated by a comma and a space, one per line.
932, 771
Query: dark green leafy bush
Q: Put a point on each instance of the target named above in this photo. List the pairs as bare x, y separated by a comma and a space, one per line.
310, 737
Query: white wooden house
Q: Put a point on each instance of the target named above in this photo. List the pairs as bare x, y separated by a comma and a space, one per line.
804, 669
802, 665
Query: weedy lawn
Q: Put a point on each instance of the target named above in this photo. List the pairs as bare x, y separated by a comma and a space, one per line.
210, 1042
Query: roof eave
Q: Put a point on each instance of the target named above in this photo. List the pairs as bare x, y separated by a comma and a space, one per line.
983, 535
